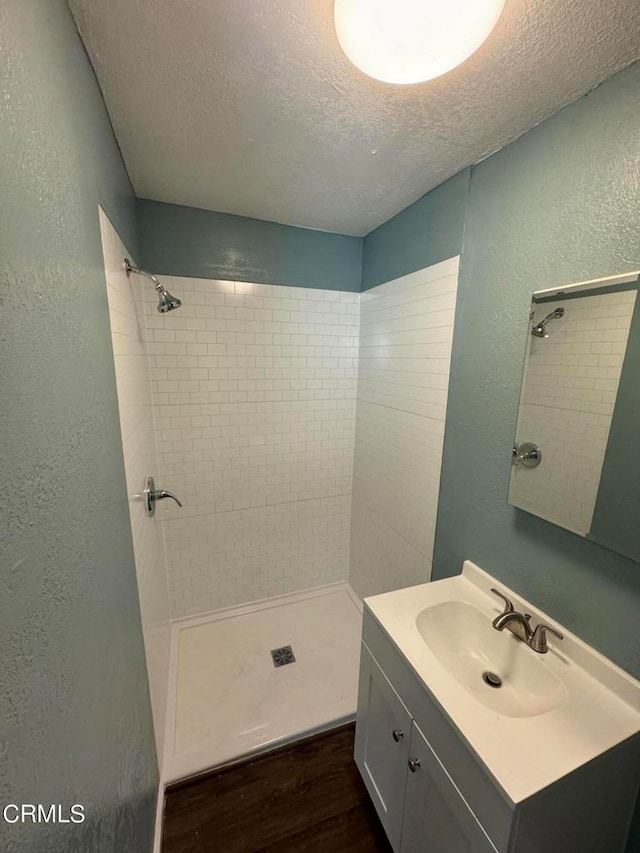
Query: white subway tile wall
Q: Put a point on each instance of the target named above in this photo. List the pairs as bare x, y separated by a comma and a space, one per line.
406, 333
254, 392
568, 394
128, 335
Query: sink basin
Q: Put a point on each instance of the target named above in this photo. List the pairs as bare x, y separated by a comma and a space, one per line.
463, 640
551, 714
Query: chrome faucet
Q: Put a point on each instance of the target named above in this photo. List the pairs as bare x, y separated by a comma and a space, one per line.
519, 625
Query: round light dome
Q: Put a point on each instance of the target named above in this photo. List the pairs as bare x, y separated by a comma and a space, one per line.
410, 41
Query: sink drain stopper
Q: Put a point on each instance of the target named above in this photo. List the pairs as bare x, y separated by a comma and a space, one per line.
492, 679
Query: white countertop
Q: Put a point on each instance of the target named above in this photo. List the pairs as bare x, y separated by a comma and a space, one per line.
524, 754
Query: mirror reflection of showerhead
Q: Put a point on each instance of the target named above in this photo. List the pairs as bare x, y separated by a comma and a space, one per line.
167, 301
539, 331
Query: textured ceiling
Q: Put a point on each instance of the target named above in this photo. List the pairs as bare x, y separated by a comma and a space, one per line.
250, 107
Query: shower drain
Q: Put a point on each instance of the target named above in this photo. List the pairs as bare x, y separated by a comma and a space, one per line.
492, 679
283, 656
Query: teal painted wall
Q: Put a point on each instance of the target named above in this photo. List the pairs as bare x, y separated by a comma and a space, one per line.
616, 517
76, 720
180, 240
187, 241
558, 205
426, 232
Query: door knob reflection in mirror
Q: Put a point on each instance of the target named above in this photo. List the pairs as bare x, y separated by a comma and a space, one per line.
527, 454
152, 495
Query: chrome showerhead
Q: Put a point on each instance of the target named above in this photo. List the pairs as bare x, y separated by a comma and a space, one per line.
167, 301
539, 331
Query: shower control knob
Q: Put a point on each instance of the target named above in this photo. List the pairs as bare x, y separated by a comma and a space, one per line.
414, 763
397, 734
151, 495
526, 454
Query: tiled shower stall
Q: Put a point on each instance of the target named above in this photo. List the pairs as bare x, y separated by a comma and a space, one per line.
254, 390
302, 429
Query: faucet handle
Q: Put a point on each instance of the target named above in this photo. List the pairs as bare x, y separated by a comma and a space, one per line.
162, 493
508, 605
151, 495
539, 638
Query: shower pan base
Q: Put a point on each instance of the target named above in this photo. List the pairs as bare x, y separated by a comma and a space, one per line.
230, 701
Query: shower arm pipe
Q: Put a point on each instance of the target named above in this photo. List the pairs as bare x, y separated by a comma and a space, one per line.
130, 268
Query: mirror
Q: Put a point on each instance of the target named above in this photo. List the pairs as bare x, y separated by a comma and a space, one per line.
576, 456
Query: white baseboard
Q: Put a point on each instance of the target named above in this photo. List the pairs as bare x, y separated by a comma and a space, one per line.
157, 837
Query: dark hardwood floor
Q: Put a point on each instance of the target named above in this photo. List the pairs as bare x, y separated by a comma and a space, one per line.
304, 798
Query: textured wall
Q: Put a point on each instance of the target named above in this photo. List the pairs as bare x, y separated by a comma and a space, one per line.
557, 206
74, 704
406, 329
425, 233
187, 241
621, 469
130, 340
254, 395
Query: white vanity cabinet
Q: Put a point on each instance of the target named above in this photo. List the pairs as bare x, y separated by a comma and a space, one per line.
419, 806
436, 817
434, 795
383, 738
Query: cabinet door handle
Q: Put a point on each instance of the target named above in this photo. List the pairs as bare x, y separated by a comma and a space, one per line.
397, 734
414, 763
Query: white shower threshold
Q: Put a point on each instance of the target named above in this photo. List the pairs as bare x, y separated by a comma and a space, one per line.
227, 700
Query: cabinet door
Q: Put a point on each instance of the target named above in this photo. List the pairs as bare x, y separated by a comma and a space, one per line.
383, 731
436, 818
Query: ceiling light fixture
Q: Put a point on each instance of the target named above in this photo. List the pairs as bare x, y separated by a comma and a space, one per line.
410, 41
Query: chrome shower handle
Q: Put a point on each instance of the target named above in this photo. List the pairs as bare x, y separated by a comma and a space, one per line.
151, 495
160, 494
527, 454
